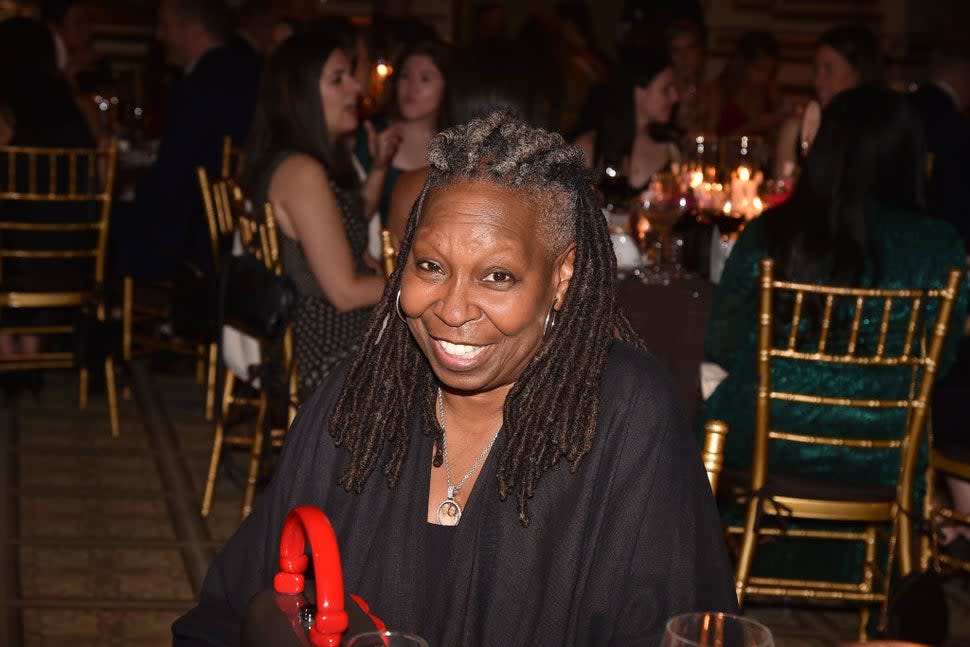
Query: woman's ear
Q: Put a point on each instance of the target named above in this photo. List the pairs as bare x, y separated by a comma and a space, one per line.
564, 273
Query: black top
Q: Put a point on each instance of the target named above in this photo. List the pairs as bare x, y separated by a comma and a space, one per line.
438, 540
613, 550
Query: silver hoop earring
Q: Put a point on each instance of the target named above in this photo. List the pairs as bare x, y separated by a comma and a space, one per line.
552, 318
397, 307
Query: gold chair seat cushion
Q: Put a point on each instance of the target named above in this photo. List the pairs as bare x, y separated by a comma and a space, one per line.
72, 282
738, 482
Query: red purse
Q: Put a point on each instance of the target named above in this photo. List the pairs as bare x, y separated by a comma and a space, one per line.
288, 614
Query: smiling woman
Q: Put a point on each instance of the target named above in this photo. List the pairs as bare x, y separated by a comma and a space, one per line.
497, 350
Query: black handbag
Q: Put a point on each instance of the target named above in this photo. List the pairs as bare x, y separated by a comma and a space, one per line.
254, 299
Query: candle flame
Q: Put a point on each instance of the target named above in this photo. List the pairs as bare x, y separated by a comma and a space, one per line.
744, 173
696, 179
727, 207
383, 70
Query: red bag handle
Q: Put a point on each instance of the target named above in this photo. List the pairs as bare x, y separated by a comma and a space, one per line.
309, 525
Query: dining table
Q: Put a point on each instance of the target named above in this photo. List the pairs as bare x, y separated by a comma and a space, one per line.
671, 319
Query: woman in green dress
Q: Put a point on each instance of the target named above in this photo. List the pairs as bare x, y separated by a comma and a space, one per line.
855, 218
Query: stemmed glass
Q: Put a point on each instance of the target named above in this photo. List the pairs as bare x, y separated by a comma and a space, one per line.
715, 629
387, 639
652, 221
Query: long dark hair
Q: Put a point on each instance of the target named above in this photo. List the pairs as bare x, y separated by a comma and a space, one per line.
440, 55
860, 47
869, 151
551, 413
636, 67
289, 113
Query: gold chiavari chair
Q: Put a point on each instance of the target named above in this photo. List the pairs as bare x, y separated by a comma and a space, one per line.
949, 460
55, 207
388, 253
715, 433
953, 461
257, 232
138, 311
909, 344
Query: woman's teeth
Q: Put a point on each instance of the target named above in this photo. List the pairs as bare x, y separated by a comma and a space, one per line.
460, 350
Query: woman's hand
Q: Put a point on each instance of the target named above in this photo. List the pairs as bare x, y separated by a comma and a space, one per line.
382, 145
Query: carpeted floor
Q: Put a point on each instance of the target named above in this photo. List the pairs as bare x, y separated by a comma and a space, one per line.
103, 545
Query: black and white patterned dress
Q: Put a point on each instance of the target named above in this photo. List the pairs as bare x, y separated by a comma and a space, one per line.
321, 334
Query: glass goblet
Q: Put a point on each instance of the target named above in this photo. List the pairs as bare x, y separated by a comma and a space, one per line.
715, 629
387, 639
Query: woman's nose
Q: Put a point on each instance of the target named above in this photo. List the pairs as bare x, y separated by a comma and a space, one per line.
455, 307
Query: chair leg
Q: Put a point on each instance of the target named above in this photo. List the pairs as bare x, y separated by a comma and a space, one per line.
111, 388
748, 543
927, 541
82, 401
868, 577
210, 382
255, 458
200, 358
214, 459
127, 305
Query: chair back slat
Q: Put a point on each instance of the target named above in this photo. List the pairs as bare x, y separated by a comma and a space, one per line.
38, 176
826, 320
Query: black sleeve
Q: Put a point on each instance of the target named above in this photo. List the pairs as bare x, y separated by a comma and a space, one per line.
249, 560
680, 561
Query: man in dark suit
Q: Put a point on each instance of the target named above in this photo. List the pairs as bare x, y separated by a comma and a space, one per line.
215, 97
941, 103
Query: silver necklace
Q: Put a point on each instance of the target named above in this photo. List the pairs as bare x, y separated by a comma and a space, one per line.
449, 510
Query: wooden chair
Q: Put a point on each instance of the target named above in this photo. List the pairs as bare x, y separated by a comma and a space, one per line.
945, 460
793, 498
139, 311
55, 206
257, 232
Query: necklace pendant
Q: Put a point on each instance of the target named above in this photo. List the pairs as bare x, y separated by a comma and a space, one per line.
448, 512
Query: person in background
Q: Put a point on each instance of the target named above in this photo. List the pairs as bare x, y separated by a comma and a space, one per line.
942, 102
744, 97
633, 135
502, 462
584, 64
38, 109
253, 38
488, 22
845, 57
856, 217
283, 28
165, 227
414, 106
298, 160
71, 26
687, 50
492, 79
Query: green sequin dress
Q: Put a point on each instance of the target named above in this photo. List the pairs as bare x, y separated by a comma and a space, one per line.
916, 251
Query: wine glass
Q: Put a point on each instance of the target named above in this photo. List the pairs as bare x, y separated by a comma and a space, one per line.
715, 629
660, 207
387, 639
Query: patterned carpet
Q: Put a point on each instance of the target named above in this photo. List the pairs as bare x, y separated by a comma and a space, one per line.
103, 545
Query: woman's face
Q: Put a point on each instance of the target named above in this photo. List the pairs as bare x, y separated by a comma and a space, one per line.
338, 94
420, 88
656, 100
833, 73
478, 285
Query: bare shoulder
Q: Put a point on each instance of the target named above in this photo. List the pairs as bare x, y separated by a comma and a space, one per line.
300, 170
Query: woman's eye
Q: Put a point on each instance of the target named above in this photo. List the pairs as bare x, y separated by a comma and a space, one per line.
498, 276
428, 266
